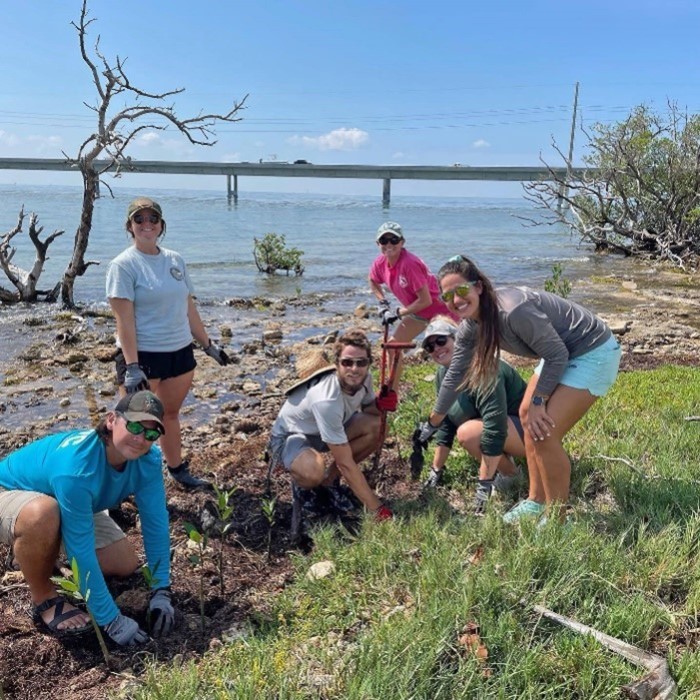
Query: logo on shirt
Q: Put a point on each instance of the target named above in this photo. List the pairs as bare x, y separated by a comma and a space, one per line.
176, 273
403, 282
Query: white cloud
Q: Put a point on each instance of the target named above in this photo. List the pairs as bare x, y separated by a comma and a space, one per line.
399, 155
481, 143
336, 140
149, 137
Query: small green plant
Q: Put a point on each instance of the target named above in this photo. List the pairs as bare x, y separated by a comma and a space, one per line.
271, 254
269, 508
197, 560
557, 284
224, 513
73, 586
150, 576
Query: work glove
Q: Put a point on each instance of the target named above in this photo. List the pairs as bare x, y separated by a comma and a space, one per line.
125, 631
417, 460
383, 513
388, 401
426, 432
214, 351
135, 378
382, 307
389, 317
161, 614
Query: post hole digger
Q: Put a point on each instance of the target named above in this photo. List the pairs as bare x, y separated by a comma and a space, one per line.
387, 399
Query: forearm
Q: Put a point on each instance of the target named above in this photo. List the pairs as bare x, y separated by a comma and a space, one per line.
377, 290
422, 301
123, 311
199, 332
355, 479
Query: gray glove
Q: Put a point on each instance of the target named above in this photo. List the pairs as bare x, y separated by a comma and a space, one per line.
135, 378
217, 353
426, 432
389, 316
125, 631
161, 614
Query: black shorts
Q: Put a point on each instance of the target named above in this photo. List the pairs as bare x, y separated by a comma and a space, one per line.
160, 365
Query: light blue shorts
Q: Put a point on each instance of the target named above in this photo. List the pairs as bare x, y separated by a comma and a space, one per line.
595, 370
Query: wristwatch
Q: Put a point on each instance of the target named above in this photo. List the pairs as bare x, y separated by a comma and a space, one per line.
539, 400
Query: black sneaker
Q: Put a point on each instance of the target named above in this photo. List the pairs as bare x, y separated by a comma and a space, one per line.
307, 505
434, 478
184, 477
342, 500
484, 490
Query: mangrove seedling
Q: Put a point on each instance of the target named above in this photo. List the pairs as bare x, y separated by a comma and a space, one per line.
269, 507
197, 560
75, 588
224, 513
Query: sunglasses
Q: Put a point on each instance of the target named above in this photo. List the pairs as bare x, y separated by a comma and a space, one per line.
350, 362
439, 342
136, 428
386, 240
460, 291
140, 218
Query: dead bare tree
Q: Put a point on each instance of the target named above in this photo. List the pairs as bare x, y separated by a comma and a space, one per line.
642, 197
25, 281
114, 133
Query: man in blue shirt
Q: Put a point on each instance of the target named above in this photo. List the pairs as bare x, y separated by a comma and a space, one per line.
58, 489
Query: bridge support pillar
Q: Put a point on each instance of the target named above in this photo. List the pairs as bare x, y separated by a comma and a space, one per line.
386, 192
232, 194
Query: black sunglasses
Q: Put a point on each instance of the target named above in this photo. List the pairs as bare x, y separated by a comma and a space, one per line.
152, 218
136, 428
350, 362
386, 240
439, 342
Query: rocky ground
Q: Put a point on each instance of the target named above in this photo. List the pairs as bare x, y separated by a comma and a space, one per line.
58, 375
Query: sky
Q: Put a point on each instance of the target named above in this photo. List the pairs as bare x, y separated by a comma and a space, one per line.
354, 82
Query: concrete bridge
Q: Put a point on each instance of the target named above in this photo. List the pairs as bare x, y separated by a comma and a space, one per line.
232, 171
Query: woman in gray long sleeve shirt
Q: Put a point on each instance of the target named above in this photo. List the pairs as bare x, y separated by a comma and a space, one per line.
579, 359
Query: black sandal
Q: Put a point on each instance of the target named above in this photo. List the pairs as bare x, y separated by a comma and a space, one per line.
59, 616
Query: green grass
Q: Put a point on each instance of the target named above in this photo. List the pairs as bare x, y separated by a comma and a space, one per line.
386, 625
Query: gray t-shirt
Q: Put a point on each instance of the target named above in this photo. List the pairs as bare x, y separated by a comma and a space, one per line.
322, 409
530, 324
160, 287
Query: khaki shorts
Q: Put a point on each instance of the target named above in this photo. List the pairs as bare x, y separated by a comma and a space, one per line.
11, 503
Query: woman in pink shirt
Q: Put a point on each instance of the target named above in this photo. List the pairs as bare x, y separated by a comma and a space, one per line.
410, 281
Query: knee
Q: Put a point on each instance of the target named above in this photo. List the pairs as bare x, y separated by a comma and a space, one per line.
469, 437
308, 469
41, 516
118, 559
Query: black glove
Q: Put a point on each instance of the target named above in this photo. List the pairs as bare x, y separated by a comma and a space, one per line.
426, 432
417, 460
125, 631
161, 614
135, 378
382, 307
389, 317
217, 353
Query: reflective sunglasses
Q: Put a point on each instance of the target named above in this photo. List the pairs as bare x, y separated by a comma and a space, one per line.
136, 428
350, 362
386, 240
439, 342
140, 218
460, 291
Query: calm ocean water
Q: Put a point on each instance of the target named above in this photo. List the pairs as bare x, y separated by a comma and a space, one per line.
336, 234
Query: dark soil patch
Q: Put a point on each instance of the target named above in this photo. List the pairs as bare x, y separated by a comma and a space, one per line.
35, 665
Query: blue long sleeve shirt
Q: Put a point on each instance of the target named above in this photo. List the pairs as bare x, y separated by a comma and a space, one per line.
72, 467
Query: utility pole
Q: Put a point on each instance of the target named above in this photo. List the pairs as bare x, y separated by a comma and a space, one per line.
565, 190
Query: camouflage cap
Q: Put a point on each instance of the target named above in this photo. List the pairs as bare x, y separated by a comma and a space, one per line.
143, 405
141, 203
389, 227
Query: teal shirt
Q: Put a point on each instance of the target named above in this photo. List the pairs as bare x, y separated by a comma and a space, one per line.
72, 467
492, 407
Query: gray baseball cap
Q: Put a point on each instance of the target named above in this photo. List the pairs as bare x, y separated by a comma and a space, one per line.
438, 327
389, 227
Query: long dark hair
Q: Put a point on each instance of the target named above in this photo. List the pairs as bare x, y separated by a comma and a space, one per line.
483, 369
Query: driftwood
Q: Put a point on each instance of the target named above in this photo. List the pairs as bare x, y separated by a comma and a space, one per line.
25, 281
656, 685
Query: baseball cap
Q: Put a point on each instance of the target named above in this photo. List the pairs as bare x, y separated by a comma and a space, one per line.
141, 203
438, 327
142, 405
389, 227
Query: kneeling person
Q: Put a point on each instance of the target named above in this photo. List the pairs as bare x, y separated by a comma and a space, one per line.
335, 410
59, 488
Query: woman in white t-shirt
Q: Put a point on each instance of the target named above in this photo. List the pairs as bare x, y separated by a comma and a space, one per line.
151, 295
